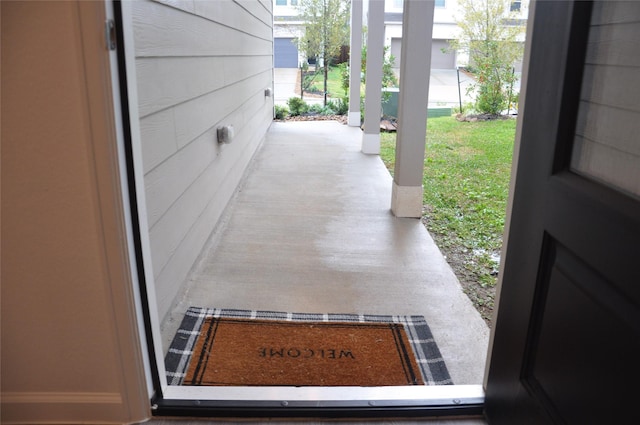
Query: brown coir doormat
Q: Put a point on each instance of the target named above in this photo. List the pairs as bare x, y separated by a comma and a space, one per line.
249, 348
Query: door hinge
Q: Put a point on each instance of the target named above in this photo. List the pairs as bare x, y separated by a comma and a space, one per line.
110, 34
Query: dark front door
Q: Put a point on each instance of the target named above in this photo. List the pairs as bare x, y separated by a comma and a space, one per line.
567, 335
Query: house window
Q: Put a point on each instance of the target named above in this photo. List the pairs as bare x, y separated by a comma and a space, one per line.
281, 2
294, 2
515, 6
440, 3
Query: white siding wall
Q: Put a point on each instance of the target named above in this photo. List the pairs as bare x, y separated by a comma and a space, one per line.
200, 65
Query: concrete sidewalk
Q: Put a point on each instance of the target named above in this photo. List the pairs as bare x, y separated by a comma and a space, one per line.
284, 87
284, 84
310, 230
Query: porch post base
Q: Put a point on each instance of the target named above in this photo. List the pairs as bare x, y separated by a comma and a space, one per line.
406, 201
354, 119
371, 143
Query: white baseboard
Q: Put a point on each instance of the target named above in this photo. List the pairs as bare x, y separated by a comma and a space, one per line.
64, 407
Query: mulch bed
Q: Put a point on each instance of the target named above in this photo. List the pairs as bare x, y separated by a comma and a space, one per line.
313, 117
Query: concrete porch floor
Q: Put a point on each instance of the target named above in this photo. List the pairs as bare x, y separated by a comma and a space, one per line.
310, 230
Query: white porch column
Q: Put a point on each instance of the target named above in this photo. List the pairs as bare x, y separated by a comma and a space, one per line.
373, 91
415, 66
355, 63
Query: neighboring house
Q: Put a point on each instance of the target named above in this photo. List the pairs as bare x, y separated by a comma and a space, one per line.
445, 29
287, 27
73, 346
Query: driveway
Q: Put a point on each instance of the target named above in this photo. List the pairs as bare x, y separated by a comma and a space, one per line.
443, 88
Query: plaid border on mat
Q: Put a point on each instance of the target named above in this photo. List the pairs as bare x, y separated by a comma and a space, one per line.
432, 366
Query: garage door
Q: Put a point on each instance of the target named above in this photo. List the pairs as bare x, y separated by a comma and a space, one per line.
285, 53
396, 47
439, 60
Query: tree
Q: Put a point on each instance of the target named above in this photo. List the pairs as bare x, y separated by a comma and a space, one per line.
388, 76
489, 33
326, 30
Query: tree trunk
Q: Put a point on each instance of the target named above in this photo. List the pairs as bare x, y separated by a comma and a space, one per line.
326, 77
324, 53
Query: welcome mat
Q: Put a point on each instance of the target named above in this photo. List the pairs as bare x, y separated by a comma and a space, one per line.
263, 348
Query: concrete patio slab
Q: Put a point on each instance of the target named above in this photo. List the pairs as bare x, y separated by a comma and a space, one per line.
310, 230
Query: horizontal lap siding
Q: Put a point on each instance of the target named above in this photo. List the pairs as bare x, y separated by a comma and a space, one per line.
199, 65
606, 145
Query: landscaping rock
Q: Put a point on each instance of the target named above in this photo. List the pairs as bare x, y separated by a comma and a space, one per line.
315, 117
388, 126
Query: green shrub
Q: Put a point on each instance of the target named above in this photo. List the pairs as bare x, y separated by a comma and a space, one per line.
316, 108
344, 77
515, 100
329, 109
467, 108
280, 112
338, 106
492, 97
297, 106
342, 105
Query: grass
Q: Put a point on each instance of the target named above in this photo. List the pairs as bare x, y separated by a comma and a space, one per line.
334, 82
466, 178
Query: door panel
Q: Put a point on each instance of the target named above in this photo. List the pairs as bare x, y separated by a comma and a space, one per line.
571, 353
567, 336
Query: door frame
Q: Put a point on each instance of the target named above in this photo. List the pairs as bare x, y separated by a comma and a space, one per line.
327, 402
130, 153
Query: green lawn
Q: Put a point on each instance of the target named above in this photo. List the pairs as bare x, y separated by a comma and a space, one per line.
466, 178
334, 82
